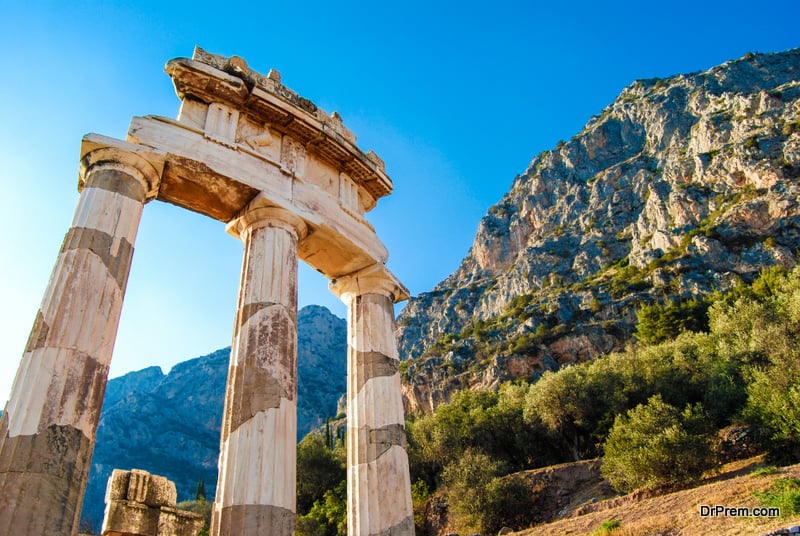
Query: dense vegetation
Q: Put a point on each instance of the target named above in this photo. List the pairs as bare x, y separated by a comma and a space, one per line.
321, 485
697, 368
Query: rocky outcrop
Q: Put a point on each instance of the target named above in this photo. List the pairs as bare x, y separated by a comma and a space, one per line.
682, 186
321, 366
170, 424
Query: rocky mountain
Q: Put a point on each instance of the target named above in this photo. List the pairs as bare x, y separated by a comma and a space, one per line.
680, 187
169, 424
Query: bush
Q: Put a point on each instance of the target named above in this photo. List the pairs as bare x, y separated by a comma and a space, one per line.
199, 506
466, 482
328, 517
481, 500
656, 444
509, 502
319, 469
773, 408
761, 330
420, 495
658, 323
488, 422
576, 406
607, 527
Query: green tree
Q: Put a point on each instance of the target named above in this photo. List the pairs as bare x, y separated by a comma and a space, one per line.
319, 469
771, 328
481, 499
437, 439
660, 322
328, 516
201, 507
467, 480
200, 491
509, 502
518, 443
574, 405
487, 422
656, 444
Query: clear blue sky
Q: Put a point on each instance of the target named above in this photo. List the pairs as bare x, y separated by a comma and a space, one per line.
456, 97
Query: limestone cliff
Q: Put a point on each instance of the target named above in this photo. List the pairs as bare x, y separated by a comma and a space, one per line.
169, 424
679, 187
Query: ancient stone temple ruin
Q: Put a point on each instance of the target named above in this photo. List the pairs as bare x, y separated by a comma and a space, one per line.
290, 182
138, 503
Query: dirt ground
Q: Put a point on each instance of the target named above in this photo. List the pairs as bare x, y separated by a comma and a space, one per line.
678, 513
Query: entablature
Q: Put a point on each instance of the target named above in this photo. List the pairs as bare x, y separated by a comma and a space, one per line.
271, 107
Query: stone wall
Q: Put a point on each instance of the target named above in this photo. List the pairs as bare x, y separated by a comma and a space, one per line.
141, 504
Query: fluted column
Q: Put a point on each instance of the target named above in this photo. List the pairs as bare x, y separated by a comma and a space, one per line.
378, 481
47, 432
256, 491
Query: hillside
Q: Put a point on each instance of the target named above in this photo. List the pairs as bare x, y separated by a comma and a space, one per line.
681, 187
678, 513
573, 498
169, 424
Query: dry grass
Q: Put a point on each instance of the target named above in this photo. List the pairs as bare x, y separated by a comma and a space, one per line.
678, 513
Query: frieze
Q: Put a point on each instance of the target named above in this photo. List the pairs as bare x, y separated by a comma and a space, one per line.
271, 83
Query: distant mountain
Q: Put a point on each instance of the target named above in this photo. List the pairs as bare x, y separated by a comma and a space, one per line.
169, 424
680, 187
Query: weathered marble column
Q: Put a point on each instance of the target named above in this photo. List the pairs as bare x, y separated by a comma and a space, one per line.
378, 481
256, 491
47, 432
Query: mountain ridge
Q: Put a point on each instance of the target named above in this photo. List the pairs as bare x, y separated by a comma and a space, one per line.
169, 424
680, 187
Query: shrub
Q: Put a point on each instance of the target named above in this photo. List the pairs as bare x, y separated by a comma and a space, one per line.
328, 517
656, 444
466, 481
766, 470
607, 527
774, 408
420, 494
509, 502
319, 469
199, 506
760, 329
658, 323
481, 500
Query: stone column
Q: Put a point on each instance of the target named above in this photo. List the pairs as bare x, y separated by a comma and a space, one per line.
256, 491
47, 432
378, 481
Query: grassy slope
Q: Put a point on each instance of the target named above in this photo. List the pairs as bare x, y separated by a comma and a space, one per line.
678, 513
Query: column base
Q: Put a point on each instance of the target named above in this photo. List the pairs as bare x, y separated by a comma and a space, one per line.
253, 519
41, 480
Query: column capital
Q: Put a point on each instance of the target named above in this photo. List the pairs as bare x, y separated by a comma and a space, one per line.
101, 152
374, 279
260, 214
